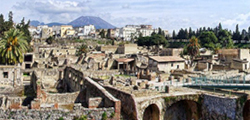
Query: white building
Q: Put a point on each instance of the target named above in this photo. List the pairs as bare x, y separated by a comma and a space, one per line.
87, 30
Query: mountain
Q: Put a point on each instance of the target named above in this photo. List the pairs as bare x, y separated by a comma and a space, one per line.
81, 21
37, 23
54, 24
96, 21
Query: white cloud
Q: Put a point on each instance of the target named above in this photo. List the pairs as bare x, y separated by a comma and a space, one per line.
167, 14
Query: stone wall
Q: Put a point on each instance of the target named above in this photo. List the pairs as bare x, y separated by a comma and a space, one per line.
73, 78
219, 108
66, 98
7, 102
93, 89
51, 114
127, 102
11, 75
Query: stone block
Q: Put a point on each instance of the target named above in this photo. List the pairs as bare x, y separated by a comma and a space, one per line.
95, 102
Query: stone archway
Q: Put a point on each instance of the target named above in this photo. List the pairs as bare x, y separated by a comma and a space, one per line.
246, 111
183, 110
152, 112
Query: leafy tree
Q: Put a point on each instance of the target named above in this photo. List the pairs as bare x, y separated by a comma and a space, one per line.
83, 49
153, 40
225, 39
208, 40
193, 48
12, 47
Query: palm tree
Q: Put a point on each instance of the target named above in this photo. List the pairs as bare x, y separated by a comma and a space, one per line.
193, 48
12, 47
82, 49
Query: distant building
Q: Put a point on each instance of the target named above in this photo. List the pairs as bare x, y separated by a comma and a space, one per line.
65, 29
87, 30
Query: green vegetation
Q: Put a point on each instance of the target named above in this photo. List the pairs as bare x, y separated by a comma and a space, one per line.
104, 116
193, 47
61, 118
12, 47
112, 115
83, 117
171, 98
82, 49
14, 41
155, 39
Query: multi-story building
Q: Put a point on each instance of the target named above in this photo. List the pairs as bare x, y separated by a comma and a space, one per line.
87, 30
65, 29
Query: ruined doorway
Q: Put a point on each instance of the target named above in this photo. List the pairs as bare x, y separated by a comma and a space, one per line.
152, 112
246, 111
183, 110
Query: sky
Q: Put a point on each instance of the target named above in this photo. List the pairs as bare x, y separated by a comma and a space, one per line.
167, 14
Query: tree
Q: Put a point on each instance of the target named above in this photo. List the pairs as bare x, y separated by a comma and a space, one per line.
220, 27
236, 34
24, 27
225, 39
83, 49
2, 25
208, 40
12, 47
173, 35
159, 31
158, 40
153, 40
10, 23
193, 48
190, 33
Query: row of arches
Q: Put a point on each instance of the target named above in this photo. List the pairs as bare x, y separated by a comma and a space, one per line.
183, 110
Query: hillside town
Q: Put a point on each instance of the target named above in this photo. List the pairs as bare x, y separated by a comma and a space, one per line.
130, 73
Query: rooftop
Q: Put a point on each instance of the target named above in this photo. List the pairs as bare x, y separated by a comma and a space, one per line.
166, 58
124, 60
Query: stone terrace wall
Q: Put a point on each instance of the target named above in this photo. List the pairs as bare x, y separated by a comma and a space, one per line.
66, 98
127, 101
7, 102
50, 114
219, 108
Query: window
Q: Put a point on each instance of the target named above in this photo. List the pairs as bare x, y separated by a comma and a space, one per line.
5, 74
28, 58
172, 64
27, 66
177, 66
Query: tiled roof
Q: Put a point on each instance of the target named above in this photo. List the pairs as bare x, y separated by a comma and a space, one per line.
166, 58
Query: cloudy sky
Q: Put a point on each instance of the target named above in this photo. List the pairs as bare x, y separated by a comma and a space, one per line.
167, 14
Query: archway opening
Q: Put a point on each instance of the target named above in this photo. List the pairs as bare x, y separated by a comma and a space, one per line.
183, 110
246, 111
152, 112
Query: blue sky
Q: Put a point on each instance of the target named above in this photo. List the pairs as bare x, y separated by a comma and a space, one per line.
167, 14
